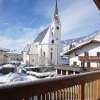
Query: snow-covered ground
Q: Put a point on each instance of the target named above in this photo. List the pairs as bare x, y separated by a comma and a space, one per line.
8, 65
29, 75
14, 77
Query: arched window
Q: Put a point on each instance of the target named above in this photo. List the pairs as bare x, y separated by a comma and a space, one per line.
44, 54
52, 33
52, 41
51, 56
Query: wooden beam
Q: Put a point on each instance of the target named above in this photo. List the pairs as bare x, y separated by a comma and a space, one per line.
97, 2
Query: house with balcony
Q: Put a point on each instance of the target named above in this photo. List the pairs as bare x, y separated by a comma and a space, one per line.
86, 54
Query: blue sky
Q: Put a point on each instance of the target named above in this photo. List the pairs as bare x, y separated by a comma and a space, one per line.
22, 20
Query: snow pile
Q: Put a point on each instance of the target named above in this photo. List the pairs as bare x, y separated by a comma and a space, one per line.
8, 65
13, 77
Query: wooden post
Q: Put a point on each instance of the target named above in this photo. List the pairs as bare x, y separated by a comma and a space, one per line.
82, 91
97, 2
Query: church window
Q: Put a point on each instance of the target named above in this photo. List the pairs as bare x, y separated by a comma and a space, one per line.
41, 51
51, 56
57, 27
52, 28
51, 49
52, 33
52, 41
44, 54
32, 60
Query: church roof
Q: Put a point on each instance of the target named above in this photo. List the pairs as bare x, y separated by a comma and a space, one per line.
56, 9
41, 35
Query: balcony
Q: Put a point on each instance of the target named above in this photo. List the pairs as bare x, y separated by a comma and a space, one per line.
89, 58
85, 86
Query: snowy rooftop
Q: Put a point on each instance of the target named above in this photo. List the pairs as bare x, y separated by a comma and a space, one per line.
8, 65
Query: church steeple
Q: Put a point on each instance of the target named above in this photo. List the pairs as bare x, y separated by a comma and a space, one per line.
56, 9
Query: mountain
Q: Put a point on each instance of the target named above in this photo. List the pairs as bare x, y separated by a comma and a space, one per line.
70, 43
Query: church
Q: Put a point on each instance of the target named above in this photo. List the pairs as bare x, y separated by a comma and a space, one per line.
46, 48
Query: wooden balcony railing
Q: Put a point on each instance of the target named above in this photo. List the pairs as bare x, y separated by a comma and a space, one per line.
85, 86
89, 58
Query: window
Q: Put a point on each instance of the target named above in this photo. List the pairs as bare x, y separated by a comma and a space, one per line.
51, 56
52, 28
74, 63
52, 33
98, 53
52, 41
41, 51
88, 64
86, 54
98, 64
57, 27
51, 49
76, 54
44, 54
82, 64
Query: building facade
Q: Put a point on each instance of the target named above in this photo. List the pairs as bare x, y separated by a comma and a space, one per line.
3, 57
45, 50
85, 54
14, 56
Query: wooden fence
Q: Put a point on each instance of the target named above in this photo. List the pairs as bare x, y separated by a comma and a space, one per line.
85, 86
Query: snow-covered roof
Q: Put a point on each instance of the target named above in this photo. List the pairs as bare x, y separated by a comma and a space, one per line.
13, 52
41, 35
8, 65
81, 45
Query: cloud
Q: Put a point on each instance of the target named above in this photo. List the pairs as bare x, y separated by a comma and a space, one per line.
18, 44
76, 15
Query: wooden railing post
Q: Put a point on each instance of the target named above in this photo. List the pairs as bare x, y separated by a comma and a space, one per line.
82, 91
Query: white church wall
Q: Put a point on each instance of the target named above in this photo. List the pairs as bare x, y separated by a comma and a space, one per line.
43, 49
33, 59
25, 58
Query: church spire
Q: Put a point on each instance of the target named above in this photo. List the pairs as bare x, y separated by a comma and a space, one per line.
56, 9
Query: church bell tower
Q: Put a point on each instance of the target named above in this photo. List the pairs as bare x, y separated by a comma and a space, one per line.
55, 37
